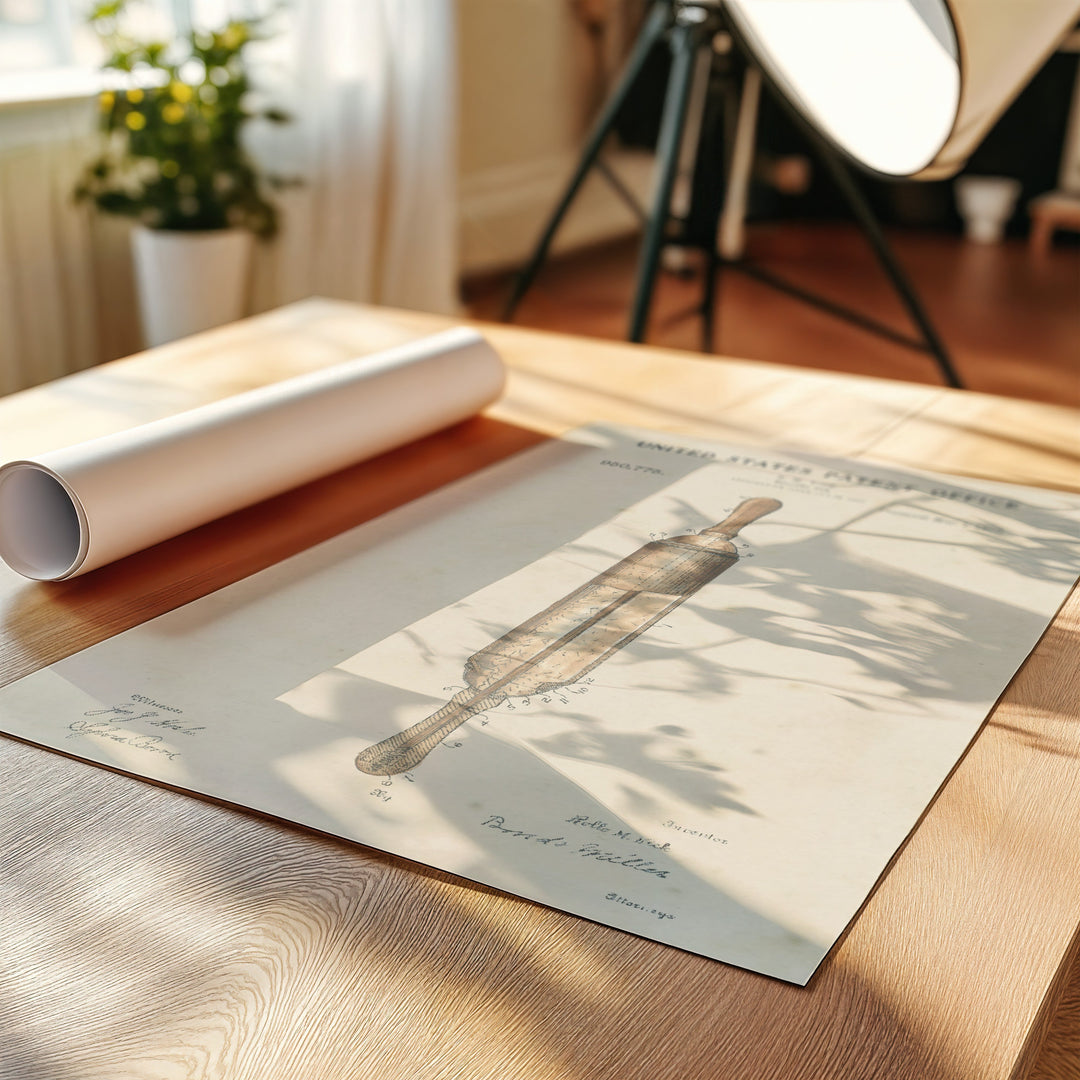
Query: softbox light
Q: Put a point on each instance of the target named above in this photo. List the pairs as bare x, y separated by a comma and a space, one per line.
906, 88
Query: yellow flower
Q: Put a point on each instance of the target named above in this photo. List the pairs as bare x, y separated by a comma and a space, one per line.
106, 100
172, 113
135, 121
170, 168
135, 96
233, 36
180, 91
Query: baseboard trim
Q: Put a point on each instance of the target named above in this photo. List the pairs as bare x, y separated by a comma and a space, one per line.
503, 209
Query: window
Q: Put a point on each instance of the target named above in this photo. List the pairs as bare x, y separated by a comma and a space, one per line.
36, 34
47, 51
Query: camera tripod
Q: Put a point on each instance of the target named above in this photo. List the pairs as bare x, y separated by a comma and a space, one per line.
690, 27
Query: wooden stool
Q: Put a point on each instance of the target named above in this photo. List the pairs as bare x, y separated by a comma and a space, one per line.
1049, 212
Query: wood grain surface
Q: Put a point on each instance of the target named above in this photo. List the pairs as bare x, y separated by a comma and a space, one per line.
150, 934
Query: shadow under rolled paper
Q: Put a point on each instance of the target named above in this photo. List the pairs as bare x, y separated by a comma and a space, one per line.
45, 621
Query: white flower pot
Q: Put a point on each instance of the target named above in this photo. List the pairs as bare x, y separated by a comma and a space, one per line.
189, 281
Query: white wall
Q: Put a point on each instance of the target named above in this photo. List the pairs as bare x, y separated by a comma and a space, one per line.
527, 92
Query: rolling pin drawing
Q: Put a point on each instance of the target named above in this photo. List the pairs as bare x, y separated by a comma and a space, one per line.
565, 641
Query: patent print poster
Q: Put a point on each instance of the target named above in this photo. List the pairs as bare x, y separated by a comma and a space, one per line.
698, 693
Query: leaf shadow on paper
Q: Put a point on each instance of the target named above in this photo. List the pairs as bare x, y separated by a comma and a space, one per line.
468, 782
818, 580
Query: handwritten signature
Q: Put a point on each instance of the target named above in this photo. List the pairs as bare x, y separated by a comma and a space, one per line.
105, 730
115, 723
589, 850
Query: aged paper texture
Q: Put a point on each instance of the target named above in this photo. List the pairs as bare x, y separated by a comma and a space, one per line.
695, 692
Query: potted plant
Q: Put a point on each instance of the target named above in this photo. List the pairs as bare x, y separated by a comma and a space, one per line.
172, 158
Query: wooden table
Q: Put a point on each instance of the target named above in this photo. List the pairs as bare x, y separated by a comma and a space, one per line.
145, 933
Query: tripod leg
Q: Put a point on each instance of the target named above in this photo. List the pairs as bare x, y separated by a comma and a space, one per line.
694, 128
869, 223
686, 38
709, 286
738, 117
653, 30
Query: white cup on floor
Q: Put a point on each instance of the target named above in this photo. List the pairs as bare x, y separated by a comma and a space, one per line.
986, 203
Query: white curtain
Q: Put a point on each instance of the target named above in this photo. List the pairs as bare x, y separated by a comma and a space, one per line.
49, 322
372, 88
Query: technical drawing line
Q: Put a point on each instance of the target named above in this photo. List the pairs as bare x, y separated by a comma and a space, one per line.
565, 641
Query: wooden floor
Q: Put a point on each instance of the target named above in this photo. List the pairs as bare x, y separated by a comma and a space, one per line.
1010, 320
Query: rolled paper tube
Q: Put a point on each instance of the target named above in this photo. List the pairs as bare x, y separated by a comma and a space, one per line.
69, 511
